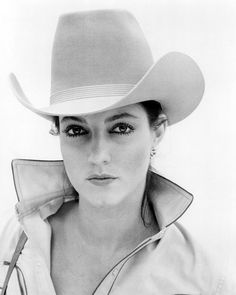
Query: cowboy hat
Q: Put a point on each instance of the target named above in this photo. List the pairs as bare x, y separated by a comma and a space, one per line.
101, 61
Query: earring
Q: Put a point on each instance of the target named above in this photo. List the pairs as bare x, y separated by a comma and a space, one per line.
54, 130
153, 153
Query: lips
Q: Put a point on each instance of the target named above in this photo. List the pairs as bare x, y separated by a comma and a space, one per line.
101, 177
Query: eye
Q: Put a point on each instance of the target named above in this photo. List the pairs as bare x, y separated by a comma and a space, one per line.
74, 131
122, 129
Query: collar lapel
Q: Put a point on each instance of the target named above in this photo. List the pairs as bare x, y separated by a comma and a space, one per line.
37, 182
169, 200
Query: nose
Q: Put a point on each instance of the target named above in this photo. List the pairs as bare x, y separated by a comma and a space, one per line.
99, 151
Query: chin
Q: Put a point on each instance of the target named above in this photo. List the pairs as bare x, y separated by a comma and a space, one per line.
103, 198
107, 200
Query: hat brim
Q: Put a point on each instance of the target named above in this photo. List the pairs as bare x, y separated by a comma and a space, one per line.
175, 81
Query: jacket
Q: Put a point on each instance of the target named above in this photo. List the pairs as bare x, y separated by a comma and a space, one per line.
168, 262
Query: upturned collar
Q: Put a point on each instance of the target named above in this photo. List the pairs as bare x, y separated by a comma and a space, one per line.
44, 186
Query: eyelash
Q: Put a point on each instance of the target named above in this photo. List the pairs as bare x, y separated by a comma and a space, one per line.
85, 132
70, 127
123, 124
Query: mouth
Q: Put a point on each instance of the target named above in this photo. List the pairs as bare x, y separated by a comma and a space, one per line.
101, 179
101, 176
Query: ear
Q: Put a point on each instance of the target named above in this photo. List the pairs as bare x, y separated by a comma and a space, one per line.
159, 128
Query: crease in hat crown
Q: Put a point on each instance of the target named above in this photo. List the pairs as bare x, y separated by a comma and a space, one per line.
97, 48
101, 60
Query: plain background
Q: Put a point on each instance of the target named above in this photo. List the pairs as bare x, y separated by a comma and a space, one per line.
198, 153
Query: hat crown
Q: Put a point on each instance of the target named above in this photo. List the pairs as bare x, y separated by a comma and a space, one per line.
98, 48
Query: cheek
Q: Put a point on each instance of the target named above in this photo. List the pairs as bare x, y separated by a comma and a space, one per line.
74, 160
136, 159
67, 152
71, 151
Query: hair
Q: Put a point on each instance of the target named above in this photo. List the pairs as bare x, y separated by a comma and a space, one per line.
153, 110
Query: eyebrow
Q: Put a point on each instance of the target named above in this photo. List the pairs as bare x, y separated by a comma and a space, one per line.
120, 116
69, 118
109, 119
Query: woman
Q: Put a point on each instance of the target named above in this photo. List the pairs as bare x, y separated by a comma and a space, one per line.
103, 221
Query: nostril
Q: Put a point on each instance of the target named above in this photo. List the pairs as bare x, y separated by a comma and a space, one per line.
99, 156
99, 150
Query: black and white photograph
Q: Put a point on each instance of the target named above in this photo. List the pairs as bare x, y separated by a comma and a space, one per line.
117, 151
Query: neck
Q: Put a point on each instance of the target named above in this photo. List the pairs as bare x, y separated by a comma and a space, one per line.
112, 227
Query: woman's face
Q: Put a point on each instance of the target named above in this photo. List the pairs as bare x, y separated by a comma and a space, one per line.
107, 155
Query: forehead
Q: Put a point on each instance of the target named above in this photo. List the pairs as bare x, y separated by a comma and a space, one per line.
135, 111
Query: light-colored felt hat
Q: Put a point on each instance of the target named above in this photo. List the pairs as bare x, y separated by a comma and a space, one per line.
101, 61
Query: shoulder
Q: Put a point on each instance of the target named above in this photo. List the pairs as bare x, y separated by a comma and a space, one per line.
186, 263
187, 250
10, 230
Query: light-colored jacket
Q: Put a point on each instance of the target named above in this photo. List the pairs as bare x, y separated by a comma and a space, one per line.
168, 262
